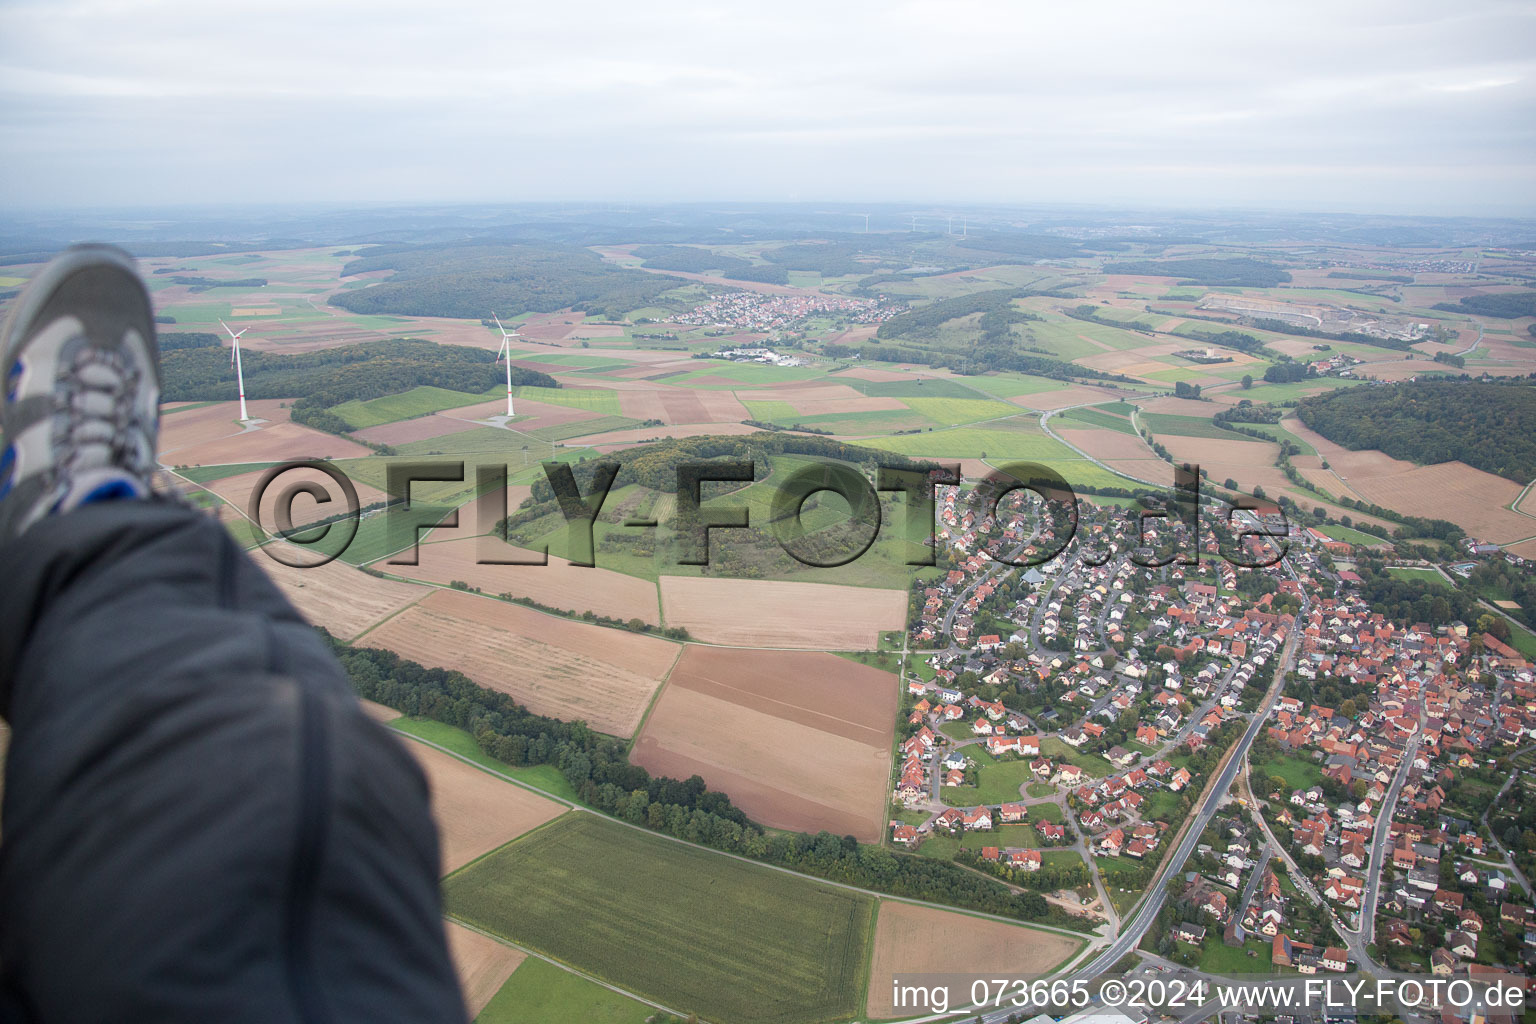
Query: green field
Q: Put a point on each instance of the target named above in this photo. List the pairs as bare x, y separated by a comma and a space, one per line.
1097, 418
1350, 535
1416, 575
953, 411
996, 781
1054, 748
1190, 426
942, 847
407, 405
539, 992
978, 443
1279, 433
1297, 772
540, 776
1007, 386
692, 929
208, 474
591, 399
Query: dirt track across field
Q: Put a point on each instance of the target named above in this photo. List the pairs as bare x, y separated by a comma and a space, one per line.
559, 667
340, 597
559, 584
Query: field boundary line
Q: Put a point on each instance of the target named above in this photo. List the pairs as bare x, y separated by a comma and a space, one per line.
503, 940
746, 860
398, 611
650, 706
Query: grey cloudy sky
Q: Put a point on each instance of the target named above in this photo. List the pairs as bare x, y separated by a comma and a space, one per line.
1406, 106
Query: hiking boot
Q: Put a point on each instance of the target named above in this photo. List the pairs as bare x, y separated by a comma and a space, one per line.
81, 399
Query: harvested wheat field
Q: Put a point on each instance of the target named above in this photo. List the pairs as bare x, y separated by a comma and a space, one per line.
559, 584
1471, 498
1106, 444
923, 940
482, 964
799, 740
1525, 549
555, 666
340, 597
475, 811
276, 443
774, 613
1468, 497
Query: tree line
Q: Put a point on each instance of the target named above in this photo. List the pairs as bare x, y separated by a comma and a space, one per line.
1487, 424
598, 767
1507, 306
695, 260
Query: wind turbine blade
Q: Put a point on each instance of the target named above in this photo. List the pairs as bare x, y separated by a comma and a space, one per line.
226, 328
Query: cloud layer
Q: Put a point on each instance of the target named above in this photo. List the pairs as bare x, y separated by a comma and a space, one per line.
1405, 106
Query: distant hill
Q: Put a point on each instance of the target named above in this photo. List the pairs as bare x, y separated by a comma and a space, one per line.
1231, 273
1508, 305
1489, 425
470, 280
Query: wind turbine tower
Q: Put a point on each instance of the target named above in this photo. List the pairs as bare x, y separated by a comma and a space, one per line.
866, 223
914, 222
951, 226
234, 358
506, 349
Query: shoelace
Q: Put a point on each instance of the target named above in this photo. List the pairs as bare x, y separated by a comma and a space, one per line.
97, 422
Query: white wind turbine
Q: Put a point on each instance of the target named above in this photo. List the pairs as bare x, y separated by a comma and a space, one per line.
506, 347
234, 358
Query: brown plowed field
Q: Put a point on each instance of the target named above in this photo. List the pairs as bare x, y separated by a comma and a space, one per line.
642, 405
556, 585
540, 414
475, 811
482, 964
340, 597
924, 940
187, 427
722, 407
419, 429
683, 407
555, 666
774, 613
276, 443
799, 740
